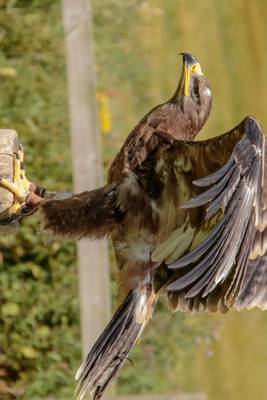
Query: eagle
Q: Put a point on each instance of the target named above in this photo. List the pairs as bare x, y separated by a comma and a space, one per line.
187, 220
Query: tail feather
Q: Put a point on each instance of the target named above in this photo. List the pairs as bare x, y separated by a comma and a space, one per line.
114, 344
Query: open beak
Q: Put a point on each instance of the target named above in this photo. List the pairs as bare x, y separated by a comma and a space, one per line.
190, 64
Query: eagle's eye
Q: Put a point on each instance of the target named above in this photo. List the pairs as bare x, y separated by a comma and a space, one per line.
196, 69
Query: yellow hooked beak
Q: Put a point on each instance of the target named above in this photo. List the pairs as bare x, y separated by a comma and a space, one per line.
191, 65
186, 79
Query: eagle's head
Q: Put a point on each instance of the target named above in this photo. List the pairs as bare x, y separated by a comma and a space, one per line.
193, 95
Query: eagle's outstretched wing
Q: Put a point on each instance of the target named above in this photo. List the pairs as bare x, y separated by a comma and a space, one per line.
224, 261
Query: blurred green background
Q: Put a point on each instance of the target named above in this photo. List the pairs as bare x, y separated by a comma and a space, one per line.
137, 44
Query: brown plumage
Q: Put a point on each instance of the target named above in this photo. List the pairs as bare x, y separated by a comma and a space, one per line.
187, 220
4, 395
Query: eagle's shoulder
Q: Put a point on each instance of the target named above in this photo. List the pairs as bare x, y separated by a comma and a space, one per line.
142, 141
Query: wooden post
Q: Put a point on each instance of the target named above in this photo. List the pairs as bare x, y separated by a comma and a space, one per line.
9, 145
87, 168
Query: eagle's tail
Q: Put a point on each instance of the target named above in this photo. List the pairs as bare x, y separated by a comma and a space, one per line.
112, 347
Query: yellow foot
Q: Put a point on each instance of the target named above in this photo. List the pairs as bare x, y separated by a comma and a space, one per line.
20, 185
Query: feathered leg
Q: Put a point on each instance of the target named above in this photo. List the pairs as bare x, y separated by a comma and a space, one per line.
89, 214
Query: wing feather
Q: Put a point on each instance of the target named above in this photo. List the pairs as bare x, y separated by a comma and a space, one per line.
229, 267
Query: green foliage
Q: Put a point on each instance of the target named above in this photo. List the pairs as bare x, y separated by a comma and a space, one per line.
39, 308
27, 3
39, 314
121, 64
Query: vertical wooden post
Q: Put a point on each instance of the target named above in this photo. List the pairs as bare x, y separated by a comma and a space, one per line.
87, 169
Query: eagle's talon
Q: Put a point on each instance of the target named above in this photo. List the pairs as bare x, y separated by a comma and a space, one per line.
20, 187
16, 188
